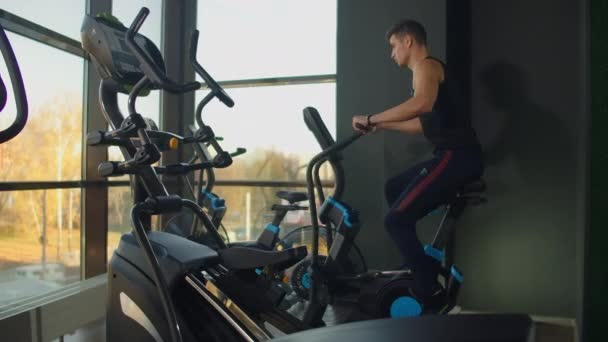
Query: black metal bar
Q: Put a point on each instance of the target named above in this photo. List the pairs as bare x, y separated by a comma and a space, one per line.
159, 279
19, 186
94, 197
263, 183
318, 184
139, 87
40, 34
268, 183
212, 230
276, 81
177, 110
25, 186
459, 51
199, 109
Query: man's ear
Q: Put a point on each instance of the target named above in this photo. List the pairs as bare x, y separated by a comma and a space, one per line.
408, 41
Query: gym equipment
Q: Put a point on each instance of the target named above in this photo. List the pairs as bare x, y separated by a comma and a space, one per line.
215, 206
376, 294
163, 287
157, 278
452, 328
18, 89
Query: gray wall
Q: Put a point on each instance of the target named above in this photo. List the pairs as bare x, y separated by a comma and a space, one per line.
368, 81
522, 251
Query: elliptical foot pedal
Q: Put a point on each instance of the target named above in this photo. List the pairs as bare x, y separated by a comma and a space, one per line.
455, 310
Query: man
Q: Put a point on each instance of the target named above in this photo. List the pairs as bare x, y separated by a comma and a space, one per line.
436, 111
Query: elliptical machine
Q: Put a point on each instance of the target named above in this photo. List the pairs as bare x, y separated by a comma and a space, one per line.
163, 286
322, 280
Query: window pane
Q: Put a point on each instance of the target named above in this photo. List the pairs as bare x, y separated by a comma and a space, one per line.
62, 16
245, 222
125, 11
268, 122
49, 147
242, 39
120, 203
249, 211
39, 242
148, 106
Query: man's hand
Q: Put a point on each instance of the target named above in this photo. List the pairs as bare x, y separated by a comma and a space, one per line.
362, 120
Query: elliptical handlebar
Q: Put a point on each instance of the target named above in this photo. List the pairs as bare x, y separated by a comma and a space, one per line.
319, 159
238, 152
204, 134
150, 69
323, 155
329, 155
18, 89
3, 94
216, 89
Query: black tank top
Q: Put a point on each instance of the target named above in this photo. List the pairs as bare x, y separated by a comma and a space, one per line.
448, 124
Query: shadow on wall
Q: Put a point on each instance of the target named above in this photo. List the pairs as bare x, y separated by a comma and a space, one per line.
535, 138
518, 248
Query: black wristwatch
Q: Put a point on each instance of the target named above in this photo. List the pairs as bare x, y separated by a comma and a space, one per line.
369, 119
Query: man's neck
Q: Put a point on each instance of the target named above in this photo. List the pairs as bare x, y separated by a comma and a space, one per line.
416, 57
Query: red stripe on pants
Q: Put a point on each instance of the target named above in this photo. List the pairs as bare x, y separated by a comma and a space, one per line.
425, 182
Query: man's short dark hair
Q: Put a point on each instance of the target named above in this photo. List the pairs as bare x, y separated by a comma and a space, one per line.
408, 26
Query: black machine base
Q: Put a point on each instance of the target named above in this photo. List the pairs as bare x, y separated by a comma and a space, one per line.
451, 328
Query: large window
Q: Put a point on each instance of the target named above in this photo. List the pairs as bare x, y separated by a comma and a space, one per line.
40, 247
62, 16
268, 122
244, 39
39, 241
278, 56
49, 147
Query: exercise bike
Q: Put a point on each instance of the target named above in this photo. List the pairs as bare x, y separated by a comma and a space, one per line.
323, 280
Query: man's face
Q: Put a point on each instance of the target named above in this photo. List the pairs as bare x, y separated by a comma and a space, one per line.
400, 49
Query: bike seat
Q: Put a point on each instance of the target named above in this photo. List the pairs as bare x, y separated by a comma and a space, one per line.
292, 196
475, 186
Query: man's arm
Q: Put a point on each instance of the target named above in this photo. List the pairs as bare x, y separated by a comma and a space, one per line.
413, 126
426, 84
